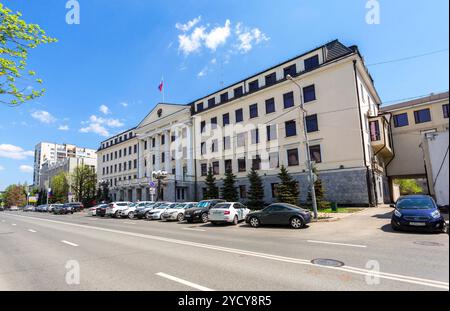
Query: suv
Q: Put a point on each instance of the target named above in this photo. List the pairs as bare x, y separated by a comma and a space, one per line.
76, 206
200, 212
62, 209
143, 212
131, 210
114, 208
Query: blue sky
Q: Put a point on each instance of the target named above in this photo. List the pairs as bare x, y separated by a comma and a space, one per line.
120, 50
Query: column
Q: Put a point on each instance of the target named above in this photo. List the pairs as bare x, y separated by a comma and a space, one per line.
168, 157
141, 159
190, 152
178, 154
148, 157
158, 152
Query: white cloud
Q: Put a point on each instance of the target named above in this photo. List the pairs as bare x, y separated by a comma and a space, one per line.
14, 152
202, 73
63, 128
95, 128
2, 168
99, 125
218, 36
191, 43
249, 37
43, 116
104, 109
26, 168
186, 27
124, 104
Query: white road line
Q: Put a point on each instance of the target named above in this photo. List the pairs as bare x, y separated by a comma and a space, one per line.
348, 269
193, 229
69, 243
129, 222
3, 220
184, 282
339, 244
31, 230
13, 225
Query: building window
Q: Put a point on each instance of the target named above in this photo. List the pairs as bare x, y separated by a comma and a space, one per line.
243, 191
228, 165
153, 142
224, 97
309, 93
199, 107
120, 153
312, 124
107, 157
445, 110
312, 63
129, 150
374, 131
256, 163
203, 148
242, 165
274, 160
253, 111
255, 136
291, 128
104, 158
153, 159
215, 145
422, 116
163, 139
270, 105
238, 92
204, 169
125, 152
253, 86
315, 153
216, 168
291, 70
163, 157
103, 171
135, 164
173, 138
274, 189
202, 126
288, 100
293, 157
240, 139
226, 119
271, 79
115, 154
135, 148
129, 165
226, 143
214, 123
211, 102
401, 120
239, 115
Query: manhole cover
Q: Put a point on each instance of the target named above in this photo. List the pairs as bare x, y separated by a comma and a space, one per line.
327, 262
426, 243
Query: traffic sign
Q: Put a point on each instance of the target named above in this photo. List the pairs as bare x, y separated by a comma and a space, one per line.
152, 184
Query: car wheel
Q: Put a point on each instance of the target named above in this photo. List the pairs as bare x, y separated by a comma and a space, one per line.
296, 223
254, 222
131, 215
204, 218
147, 216
180, 217
116, 214
394, 226
235, 220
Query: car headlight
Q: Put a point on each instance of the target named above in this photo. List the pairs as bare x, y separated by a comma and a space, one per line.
436, 214
397, 213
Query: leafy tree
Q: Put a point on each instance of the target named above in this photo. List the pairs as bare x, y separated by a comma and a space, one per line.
15, 196
16, 39
256, 191
409, 186
229, 191
320, 193
84, 184
287, 190
60, 188
212, 191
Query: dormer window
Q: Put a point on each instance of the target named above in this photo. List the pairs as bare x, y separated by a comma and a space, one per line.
291, 70
271, 79
199, 107
211, 102
238, 92
253, 86
312, 63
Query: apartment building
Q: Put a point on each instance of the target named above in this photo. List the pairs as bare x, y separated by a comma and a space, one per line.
51, 153
257, 123
411, 123
118, 164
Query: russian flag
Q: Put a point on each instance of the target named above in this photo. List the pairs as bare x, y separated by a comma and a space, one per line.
161, 85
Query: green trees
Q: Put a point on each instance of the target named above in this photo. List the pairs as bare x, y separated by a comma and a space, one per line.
212, 191
15, 196
255, 192
287, 190
60, 188
320, 193
16, 39
229, 191
84, 184
408, 186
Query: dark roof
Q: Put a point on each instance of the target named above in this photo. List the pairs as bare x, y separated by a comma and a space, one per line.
411, 103
117, 135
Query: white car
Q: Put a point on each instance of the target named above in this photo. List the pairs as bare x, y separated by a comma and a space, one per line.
131, 211
229, 212
177, 212
93, 211
155, 214
115, 208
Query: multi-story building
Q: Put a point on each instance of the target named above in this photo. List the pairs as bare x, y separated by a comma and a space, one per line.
257, 123
52, 153
411, 122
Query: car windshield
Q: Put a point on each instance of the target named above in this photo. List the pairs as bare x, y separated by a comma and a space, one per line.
415, 203
223, 205
203, 204
122, 204
182, 205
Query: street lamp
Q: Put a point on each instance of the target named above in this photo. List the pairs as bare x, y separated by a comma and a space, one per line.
308, 156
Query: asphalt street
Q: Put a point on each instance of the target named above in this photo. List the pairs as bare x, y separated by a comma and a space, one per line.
38, 252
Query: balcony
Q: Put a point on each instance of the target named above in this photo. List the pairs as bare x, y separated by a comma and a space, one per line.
380, 136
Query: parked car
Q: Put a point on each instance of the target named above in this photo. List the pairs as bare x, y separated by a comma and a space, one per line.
29, 208
200, 211
114, 208
229, 212
280, 214
141, 212
49, 208
101, 210
39, 208
76, 206
417, 212
130, 211
62, 209
2, 209
92, 211
177, 212
13, 208
156, 212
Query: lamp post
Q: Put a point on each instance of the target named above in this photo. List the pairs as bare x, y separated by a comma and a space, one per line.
308, 155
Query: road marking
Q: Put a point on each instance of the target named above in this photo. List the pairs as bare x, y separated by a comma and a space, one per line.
13, 225
69, 243
184, 282
339, 244
348, 269
31, 230
3, 220
193, 229
129, 222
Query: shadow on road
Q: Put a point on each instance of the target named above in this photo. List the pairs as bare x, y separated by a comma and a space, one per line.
388, 229
383, 216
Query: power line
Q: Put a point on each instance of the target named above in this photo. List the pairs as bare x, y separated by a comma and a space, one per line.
407, 58
411, 98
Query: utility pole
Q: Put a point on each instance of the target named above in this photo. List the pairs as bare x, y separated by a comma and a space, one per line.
308, 155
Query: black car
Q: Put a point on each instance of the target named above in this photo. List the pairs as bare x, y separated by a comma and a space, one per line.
200, 212
62, 209
2, 208
280, 214
101, 210
76, 206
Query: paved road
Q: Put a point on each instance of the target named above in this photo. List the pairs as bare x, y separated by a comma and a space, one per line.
119, 254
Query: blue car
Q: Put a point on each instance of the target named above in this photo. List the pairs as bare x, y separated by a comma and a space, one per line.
417, 212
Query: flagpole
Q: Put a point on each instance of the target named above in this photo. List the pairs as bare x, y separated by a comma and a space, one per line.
164, 89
